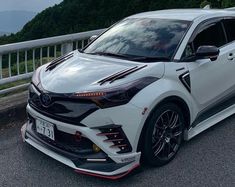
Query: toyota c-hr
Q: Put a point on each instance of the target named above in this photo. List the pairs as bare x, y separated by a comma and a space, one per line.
135, 92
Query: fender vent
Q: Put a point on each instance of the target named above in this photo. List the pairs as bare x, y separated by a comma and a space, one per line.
185, 79
115, 135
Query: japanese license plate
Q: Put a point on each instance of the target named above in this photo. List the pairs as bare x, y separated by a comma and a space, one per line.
45, 128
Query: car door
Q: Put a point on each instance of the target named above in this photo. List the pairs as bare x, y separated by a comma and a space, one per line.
229, 26
211, 81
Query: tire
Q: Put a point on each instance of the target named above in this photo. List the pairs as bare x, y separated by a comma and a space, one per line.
164, 134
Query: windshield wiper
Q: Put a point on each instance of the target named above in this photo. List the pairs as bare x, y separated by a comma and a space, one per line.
150, 59
131, 57
111, 54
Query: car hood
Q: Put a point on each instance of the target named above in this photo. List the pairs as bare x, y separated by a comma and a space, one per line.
82, 72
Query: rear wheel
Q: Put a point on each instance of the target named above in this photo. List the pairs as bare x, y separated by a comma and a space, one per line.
164, 134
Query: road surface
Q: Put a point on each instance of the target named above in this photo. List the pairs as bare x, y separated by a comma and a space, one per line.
207, 160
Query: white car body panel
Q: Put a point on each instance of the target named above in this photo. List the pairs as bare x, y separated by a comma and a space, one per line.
210, 83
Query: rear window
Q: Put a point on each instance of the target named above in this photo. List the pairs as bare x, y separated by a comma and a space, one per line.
229, 25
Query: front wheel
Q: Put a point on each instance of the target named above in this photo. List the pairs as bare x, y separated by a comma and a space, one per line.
164, 134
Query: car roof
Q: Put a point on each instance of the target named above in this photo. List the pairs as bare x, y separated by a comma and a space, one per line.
185, 14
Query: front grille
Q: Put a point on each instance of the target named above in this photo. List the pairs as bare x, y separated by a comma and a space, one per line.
65, 141
62, 107
68, 143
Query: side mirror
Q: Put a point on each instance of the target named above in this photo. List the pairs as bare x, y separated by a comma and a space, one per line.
92, 38
204, 52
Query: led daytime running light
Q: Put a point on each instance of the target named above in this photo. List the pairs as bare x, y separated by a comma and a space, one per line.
91, 94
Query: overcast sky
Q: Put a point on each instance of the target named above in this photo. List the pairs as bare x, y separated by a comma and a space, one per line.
29, 5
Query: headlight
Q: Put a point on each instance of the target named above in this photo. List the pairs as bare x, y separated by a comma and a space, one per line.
118, 95
36, 76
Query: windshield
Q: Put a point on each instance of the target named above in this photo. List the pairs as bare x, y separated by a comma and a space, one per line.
141, 39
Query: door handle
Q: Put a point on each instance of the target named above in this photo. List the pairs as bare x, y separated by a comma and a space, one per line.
231, 56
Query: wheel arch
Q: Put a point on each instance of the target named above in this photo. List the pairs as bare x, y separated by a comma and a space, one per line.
171, 99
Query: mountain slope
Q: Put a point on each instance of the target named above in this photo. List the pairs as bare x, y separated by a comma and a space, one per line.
72, 16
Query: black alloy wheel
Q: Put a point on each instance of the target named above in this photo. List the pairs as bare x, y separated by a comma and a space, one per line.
164, 134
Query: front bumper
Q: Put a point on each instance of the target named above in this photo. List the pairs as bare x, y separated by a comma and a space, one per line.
107, 165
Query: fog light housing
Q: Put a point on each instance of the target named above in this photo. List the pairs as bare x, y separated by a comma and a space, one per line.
95, 148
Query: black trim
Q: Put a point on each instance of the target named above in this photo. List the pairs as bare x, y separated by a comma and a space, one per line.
72, 121
104, 167
185, 79
212, 110
58, 61
107, 126
63, 107
78, 159
180, 69
121, 74
52, 146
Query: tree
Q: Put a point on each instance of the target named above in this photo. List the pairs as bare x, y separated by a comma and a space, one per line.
81, 15
228, 3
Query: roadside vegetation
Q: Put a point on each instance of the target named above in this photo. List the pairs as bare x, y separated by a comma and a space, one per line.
73, 16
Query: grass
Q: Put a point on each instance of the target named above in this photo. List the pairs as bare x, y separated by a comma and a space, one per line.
5, 71
12, 84
22, 70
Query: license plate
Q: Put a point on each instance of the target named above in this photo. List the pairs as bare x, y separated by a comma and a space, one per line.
45, 128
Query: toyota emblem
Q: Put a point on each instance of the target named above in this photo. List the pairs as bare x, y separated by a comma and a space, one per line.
45, 99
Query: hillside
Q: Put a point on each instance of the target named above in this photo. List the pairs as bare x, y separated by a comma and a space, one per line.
72, 16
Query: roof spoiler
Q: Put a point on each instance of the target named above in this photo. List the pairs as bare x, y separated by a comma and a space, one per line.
207, 7
230, 9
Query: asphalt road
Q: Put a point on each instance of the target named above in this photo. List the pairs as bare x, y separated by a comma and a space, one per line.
207, 160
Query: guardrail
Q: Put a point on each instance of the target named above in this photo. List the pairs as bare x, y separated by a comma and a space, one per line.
19, 60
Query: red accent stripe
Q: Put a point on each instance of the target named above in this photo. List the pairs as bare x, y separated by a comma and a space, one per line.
114, 177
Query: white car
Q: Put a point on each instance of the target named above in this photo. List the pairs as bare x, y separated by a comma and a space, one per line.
135, 92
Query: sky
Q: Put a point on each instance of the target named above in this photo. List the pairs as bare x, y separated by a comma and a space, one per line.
27, 5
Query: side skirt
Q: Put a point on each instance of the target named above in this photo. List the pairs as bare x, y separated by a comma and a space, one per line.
207, 123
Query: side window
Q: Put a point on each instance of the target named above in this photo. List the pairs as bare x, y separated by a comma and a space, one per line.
229, 25
213, 35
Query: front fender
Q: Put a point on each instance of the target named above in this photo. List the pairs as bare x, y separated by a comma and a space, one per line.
158, 91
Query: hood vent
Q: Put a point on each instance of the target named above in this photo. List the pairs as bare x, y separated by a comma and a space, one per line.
58, 61
121, 74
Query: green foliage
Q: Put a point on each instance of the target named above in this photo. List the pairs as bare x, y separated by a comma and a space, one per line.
72, 16
228, 3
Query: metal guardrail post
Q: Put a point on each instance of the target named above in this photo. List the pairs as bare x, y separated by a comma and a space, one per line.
0, 66
66, 48
22, 69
